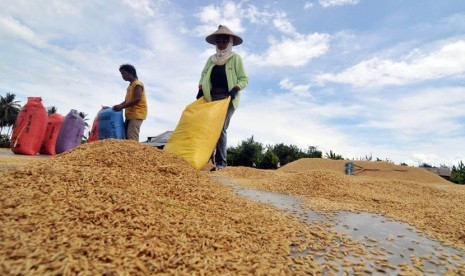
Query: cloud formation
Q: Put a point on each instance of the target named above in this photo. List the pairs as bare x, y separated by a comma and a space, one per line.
448, 61
331, 3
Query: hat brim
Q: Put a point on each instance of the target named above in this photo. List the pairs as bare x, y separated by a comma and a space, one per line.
212, 39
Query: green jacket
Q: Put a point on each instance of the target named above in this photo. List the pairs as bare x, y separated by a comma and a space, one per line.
235, 74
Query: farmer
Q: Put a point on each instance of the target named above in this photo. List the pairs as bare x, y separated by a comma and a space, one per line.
135, 103
223, 76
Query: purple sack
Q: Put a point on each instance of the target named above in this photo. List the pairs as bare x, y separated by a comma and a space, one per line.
71, 132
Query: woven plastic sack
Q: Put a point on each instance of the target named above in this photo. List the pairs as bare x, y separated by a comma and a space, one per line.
110, 124
71, 132
93, 134
51, 134
198, 131
30, 127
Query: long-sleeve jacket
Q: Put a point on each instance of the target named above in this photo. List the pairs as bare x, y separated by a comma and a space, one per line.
235, 74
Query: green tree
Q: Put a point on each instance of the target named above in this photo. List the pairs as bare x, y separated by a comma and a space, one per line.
248, 153
334, 156
285, 153
9, 110
458, 173
312, 152
425, 165
52, 110
288, 154
269, 160
85, 117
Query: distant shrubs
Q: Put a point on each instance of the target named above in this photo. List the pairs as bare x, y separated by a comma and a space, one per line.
458, 173
334, 156
425, 165
250, 153
4, 141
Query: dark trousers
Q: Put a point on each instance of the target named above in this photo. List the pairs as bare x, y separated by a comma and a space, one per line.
221, 146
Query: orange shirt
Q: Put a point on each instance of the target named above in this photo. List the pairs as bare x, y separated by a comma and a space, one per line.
139, 110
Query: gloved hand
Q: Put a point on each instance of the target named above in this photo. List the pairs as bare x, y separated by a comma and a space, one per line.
233, 92
200, 94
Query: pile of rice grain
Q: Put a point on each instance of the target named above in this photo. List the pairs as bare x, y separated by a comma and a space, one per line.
374, 169
119, 207
437, 208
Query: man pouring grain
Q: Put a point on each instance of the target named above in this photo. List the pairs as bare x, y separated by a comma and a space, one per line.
135, 103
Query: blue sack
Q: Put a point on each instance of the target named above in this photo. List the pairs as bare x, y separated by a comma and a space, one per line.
111, 124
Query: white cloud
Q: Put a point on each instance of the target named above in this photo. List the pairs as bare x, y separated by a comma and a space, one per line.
13, 29
294, 52
420, 113
308, 5
331, 3
143, 7
282, 23
293, 49
286, 119
447, 61
255, 16
229, 14
298, 90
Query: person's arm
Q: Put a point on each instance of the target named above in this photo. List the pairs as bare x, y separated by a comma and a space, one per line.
137, 96
203, 75
118, 107
242, 78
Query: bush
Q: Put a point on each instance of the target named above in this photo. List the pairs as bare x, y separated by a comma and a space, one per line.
288, 154
458, 173
332, 155
269, 160
251, 153
248, 153
4, 141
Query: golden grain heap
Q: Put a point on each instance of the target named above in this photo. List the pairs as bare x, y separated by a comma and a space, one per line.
119, 207
412, 195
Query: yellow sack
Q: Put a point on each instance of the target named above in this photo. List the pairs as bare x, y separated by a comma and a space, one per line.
198, 131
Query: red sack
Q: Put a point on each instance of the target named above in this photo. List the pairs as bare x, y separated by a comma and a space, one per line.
93, 135
30, 126
51, 134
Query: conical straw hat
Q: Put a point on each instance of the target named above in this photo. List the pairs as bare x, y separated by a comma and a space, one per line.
223, 30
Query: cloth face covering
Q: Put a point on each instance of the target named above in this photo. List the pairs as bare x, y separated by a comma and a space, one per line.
222, 56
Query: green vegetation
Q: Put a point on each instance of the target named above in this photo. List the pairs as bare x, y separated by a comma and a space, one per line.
9, 110
51, 110
250, 153
85, 118
458, 173
333, 155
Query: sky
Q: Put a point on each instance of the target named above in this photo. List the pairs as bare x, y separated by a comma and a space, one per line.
359, 78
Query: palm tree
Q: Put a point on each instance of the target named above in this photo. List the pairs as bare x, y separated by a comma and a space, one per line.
52, 110
332, 155
9, 110
84, 116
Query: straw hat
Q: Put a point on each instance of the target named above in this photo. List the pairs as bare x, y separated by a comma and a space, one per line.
223, 30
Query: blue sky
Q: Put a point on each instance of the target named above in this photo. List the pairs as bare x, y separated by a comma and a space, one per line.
358, 77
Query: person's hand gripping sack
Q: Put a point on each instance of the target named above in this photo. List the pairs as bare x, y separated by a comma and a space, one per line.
200, 93
233, 92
